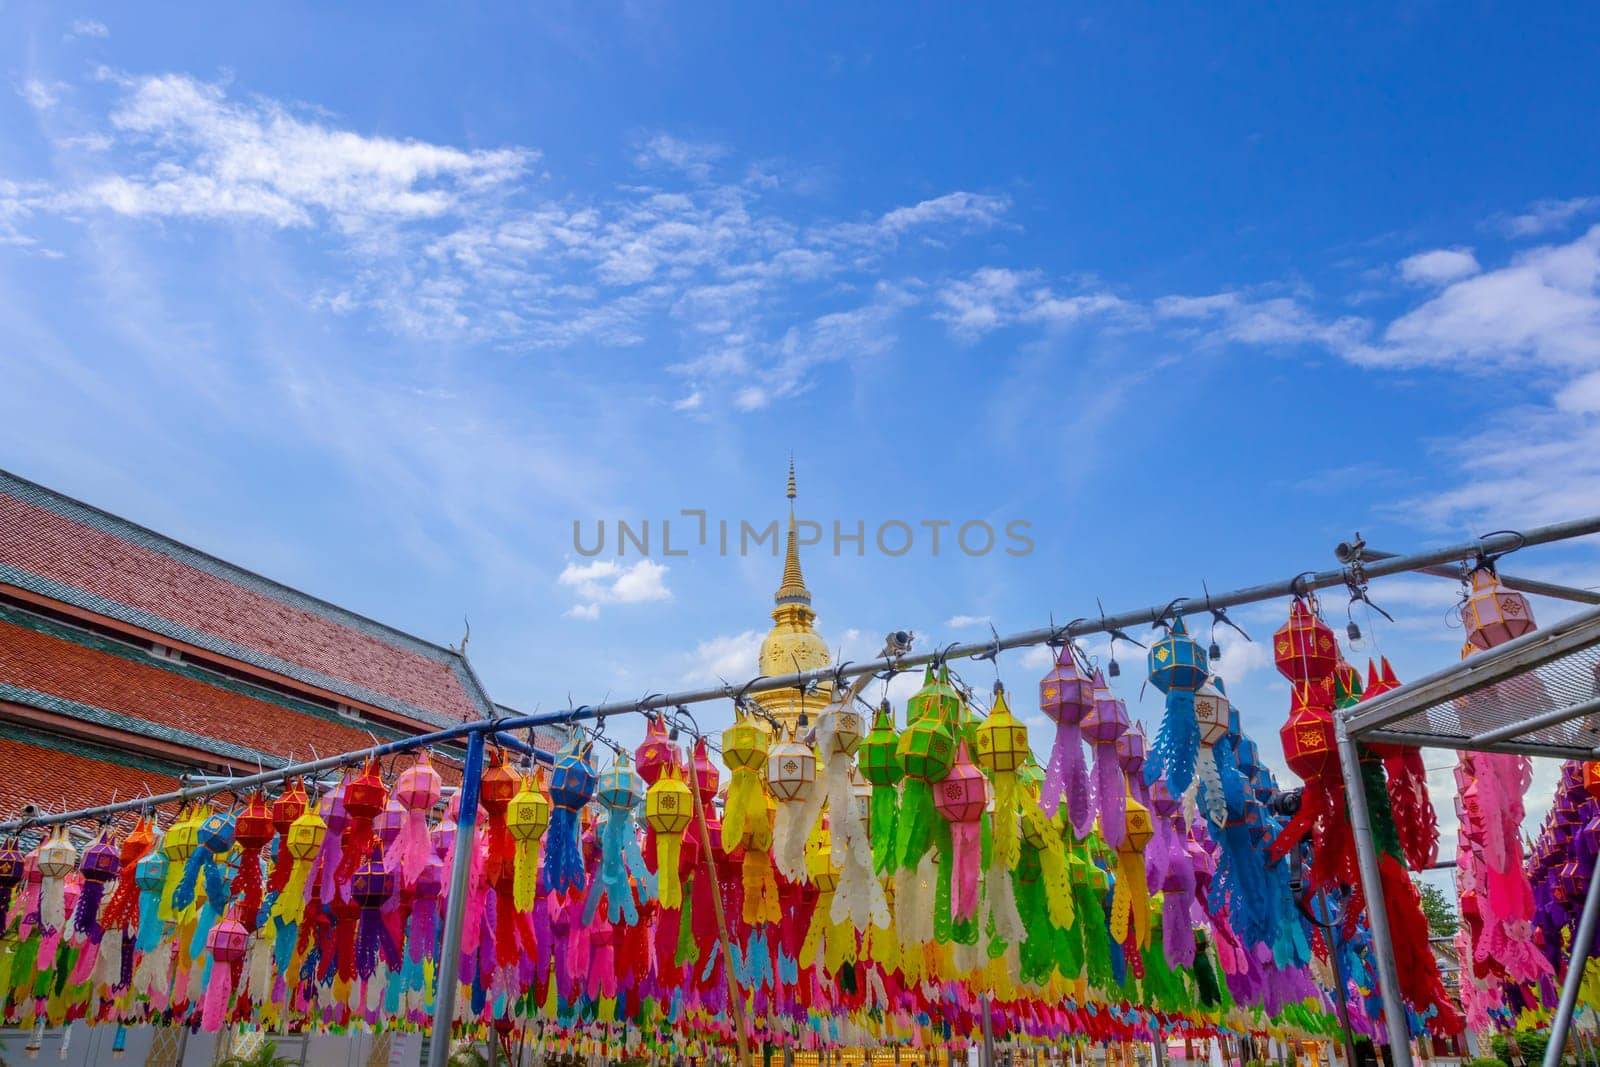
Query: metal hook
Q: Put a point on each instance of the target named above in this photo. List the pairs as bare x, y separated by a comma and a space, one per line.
1487, 559
1160, 618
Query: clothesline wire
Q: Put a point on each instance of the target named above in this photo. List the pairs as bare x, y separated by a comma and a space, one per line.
498, 730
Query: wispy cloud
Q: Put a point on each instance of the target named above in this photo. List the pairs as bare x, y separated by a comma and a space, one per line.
961, 622
40, 95
1548, 216
692, 158
992, 298
86, 28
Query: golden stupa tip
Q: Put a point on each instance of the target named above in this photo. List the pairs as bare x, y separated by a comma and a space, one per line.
791, 477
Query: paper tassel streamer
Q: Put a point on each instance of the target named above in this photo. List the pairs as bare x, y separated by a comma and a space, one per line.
527, 817
960, 799
1066, 696
880, 766
858, 897
571, 787
1177, 667
364, 799
669, 808
1103, 727
371, 887
417, 790
13, 865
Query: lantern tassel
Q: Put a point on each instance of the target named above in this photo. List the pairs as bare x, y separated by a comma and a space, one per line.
52, 902
1110, 793
967, 859
214, 1010
746, 799
669, 889
913, 822
291, 903
86, 916
1177, 744
881, 827
563, 863
525, 879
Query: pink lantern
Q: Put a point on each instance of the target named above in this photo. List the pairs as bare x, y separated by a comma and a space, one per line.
961, 798
656, 753
1494, 614
227, 942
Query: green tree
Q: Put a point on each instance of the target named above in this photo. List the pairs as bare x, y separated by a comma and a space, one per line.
1439, 908
265, 1055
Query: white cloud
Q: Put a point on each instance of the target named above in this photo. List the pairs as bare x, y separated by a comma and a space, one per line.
41, 96
1547, 216
974, 208
725, 658
992, 298
257, 161
86, 28
1543, 307
961, 622
694, 159
609, 582
1439, 266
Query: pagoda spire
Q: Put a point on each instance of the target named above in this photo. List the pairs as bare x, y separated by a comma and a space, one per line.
793, 590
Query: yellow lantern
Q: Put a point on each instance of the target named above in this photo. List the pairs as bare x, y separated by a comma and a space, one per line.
1131, 897
527, 816
303, 842
744, 750
668, 808
1002, 750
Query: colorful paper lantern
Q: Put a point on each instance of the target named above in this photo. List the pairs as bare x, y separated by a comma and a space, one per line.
226, 943
527, 817
1066, 696
572, 785
879, 762
54, 859
960, 798
656, 752
669, 808
1304, 648
1493, 614
303, 842
1002, 751
1106, 722
1211, 715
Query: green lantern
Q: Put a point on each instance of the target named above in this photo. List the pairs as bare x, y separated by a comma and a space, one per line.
927, 751
879, 760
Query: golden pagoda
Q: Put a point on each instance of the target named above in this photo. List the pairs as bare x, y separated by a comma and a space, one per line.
792, 645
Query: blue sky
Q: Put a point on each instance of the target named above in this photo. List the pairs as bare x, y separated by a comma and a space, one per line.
380, 303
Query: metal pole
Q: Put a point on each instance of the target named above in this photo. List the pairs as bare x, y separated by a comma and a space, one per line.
988, 1031
1346, 554
1340, 1004
1394, 1012
449, 976
1582, 943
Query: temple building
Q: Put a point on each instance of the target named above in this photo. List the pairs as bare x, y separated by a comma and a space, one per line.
129, 660
792, 645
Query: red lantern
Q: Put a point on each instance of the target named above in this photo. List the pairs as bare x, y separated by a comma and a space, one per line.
1494, 614
1309, 745
656, 753
1303, 647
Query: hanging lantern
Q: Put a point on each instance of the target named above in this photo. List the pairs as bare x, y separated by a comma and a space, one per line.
527, 816
1303, 647
1211, 714
860, 796
669, 808
1177, 667
371, 887
364, 797
1494, 614
1066, 696
571, 787
706, 776
1103, 727
879, 764
961, 798
744, 750
54, 860
13, 867
1002, 750
252, 832
226, 941
417, 790
1131, 894
1591, 780
303, 842
656, 752
290, 805
927, 750
791, 770
99, 867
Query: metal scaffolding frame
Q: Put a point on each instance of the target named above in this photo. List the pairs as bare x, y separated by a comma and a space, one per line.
1535, 695
501, 730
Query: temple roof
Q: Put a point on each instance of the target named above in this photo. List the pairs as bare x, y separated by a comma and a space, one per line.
55, 550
